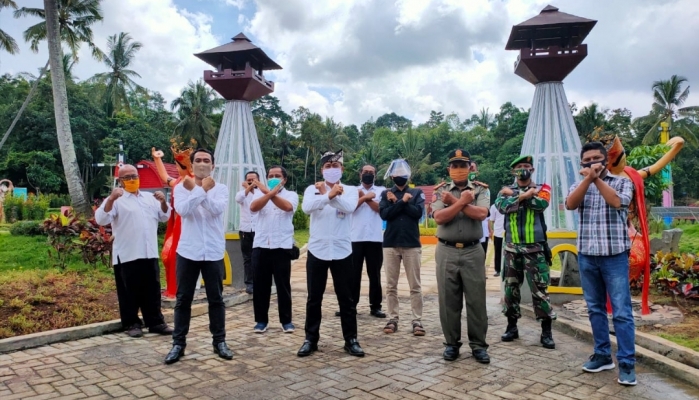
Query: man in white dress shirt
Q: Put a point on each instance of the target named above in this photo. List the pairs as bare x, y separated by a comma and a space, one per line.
247, 226
496, 221
134, 216
201, 203
367, 239
330, 205
274, 239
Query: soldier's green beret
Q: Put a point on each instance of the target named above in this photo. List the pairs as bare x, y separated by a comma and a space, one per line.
521, 159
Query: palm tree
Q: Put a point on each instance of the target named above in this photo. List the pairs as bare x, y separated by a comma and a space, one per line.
588, 120
121, 52
668, 98
195, 104
76, 187
412, 150
75, 18
7, 42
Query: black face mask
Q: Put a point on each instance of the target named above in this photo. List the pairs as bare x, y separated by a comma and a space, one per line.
368, 178
400, 180
590, 164
523, 174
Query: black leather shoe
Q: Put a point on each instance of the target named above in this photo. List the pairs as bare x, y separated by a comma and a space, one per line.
353, 348
451, 352
161, 329
174, 355
307, 348
223, 351
378, 313
481, 356
337, 314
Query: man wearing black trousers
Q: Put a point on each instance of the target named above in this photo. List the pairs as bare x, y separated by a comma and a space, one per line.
247, 226
274, 239
330, 205
201, 203
134, 216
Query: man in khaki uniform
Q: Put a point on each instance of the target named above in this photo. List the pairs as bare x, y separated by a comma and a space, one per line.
459, 209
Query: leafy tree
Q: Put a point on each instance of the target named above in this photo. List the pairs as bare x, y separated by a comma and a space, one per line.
643, 156
668, 101
436, 118
588, 120
393, 122
7, 42
194, 107
118, 80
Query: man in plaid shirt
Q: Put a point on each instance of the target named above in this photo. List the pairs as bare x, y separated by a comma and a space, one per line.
602, 201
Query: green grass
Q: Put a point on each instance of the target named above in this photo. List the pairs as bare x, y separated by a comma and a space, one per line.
682, 340
301, 237
30, 252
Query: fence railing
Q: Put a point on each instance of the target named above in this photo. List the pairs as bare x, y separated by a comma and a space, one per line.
681, 213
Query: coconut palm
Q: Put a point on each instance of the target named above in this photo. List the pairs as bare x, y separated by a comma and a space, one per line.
589, 119
668, 99
7, 42
194, 106
119, 78
75, 18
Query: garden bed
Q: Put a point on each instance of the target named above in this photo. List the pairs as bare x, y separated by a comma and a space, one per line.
685, 333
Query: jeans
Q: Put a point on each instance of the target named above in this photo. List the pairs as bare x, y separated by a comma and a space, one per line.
268, 263
602, 276
187, 277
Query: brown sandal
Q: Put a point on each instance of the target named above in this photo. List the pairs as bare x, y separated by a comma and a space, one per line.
418, 330
391, 327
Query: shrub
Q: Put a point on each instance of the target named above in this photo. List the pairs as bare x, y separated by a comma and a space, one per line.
301, 219
27, 228
58, 200
162, 227
428, 231
676, 274
35, 207
12, 207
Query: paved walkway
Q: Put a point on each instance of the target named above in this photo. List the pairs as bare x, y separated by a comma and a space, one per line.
265, 366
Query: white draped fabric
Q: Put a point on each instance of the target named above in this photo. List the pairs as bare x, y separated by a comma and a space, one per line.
553, 142
237, 152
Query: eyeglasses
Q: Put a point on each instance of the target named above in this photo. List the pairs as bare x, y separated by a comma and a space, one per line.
202, 160
129, 178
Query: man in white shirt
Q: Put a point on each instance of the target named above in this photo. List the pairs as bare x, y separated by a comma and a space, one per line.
247, 226
496, 222
367, 239
134, 216
200, 203
330, 205
274, 239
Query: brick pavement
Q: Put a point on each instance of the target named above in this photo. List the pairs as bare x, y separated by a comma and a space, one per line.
266, 366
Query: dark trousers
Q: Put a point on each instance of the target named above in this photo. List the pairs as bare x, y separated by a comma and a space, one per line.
316, 280
187, 274
498, 253
138, 286
485, 245
372, 252
268, 263
246, 239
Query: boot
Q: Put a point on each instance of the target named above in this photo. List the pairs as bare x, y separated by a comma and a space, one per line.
546, 336
511, 333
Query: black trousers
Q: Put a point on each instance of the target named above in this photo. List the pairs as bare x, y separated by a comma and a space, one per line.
246, 239
485, 245
498, 253
268, 263
372, 253
138, 286
187, 275
316, 280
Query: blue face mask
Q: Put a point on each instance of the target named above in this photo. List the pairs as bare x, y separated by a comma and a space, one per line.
273, 182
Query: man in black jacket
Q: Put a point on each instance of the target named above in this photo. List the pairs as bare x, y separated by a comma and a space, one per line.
402, 208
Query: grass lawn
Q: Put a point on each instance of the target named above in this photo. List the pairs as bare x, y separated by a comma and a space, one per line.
301, 237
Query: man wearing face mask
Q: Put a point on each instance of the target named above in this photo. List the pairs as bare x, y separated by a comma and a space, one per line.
459, 209
134, 216
200, 202
330, 205
274, 239
367, 238
402, 208
602, 201
247, 225
526, 250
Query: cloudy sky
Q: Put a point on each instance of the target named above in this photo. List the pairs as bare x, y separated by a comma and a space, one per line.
356, 59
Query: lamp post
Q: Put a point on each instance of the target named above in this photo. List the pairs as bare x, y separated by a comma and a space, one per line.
668, 198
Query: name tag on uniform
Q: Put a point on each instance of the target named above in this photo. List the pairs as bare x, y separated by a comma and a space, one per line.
340, 214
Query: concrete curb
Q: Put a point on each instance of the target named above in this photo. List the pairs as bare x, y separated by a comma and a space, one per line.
98, 328
651, 351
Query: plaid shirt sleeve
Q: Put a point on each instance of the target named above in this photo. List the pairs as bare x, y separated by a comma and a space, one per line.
624, 189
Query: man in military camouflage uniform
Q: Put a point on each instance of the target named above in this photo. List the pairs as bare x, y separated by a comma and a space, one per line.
459, 208
526, 251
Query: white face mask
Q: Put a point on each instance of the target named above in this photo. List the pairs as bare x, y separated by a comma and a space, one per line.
332, 175
201, 171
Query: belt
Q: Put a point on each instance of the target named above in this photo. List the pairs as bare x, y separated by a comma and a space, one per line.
459, 245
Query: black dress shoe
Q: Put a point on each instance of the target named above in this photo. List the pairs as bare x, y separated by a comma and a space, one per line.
338, 314
174, 355
223, 351
161, 329
353, 348
451, 352
378, 313
307, 348
481, 356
